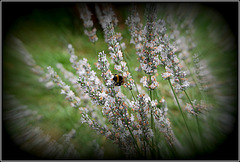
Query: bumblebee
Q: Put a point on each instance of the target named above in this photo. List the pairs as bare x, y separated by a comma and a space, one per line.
118, 79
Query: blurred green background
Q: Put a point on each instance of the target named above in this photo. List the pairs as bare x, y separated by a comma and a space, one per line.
46, 29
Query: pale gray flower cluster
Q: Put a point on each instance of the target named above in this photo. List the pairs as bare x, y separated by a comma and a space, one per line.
85, 15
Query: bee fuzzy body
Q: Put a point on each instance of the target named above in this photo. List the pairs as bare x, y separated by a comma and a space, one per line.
118, 79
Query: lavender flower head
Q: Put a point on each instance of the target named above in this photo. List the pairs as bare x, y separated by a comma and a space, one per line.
113, 40
85, 15
65, 89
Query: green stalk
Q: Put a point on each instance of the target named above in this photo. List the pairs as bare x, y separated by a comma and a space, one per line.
136, 147
95, 48
134, 141
133, 98
181, 110
150, 95
152, 126
152, 122
125, 58
199, 130
195, 80
133, 95
145, 150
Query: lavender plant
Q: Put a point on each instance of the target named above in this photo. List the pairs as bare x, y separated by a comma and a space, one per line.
140, 112
131, 127
43, 77
32, 138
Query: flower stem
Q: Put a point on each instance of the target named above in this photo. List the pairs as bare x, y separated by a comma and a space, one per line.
133, 95
198, 125
197, 83
152, 121
136, 147
95, 48
181, 110
133, 98
125, 58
